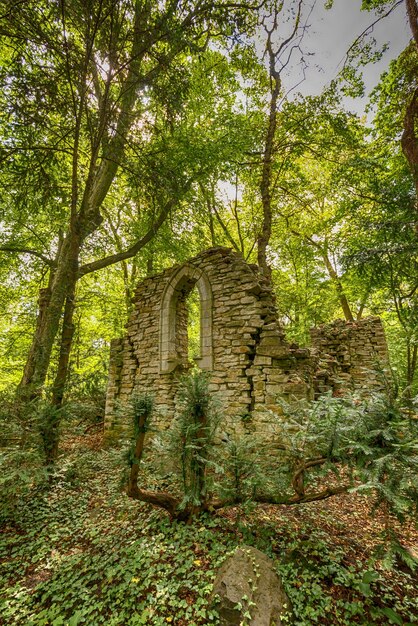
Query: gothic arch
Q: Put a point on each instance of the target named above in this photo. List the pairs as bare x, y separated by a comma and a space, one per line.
179, 286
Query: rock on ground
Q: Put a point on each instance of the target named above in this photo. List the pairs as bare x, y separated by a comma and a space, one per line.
247, 590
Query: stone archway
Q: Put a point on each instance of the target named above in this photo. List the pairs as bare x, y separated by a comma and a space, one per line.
173, 320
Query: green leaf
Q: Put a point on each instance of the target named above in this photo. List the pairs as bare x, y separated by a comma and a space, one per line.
370, 576
393, 617
365, 589
75, 619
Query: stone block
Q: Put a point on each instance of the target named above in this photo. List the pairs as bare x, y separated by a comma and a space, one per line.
277, 351
262, 360
276, 377
274, 388
241, 350
253, 371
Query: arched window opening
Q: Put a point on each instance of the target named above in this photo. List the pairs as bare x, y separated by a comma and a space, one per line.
186, 321
194, 348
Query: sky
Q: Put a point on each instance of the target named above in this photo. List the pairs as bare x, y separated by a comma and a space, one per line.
329, 36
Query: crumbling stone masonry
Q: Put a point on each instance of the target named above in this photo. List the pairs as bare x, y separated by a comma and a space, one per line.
356, 356
252, 366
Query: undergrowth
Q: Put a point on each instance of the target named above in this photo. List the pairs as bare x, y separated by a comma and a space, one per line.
80, 552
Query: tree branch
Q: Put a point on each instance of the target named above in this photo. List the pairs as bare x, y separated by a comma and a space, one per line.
39, 255
99, 264
225, 230
366, 32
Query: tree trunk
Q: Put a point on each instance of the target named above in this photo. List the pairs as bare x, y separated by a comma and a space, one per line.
51, 426
62, 287
274, 56
412, 358
29, 370
362, 306
265, 184
412, 11
138, 452
409, 143
68, 328
211, 225
339, 288
199, 469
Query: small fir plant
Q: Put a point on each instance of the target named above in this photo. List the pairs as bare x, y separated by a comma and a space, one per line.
192, 437
189, 448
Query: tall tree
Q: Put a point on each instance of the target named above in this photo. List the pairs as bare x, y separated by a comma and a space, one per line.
409, 138
383, 243
278, 56
81, 82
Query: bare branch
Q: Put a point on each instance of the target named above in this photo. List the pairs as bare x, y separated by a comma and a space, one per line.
367, 31
225, 229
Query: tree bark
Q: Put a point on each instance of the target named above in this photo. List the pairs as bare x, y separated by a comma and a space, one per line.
412, 11
409, 140
29, 370
68, 328
199, 461
412, 359
339, 288
138, 452
62, 285
265, 183
409, 143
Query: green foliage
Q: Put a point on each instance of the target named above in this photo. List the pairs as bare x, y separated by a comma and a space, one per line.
83, 553
242, 466
49, 428
239, 461
193, 324
80, 552
191, 438
196, 400
86, 407
142, 406
319, 449
130, 103
370, 444
197, 137
21, 455
337, 590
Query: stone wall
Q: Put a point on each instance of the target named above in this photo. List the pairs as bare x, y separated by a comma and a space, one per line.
354, 355
252, 366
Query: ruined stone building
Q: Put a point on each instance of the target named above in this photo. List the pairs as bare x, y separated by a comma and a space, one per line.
242, 345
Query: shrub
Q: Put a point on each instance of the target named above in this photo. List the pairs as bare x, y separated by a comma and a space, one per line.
21, 454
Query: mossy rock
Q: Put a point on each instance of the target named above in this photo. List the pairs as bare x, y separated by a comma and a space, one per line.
247, 590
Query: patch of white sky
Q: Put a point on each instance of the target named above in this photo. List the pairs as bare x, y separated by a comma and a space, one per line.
327, 37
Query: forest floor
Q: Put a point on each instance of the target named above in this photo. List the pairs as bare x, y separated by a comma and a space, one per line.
81, 552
